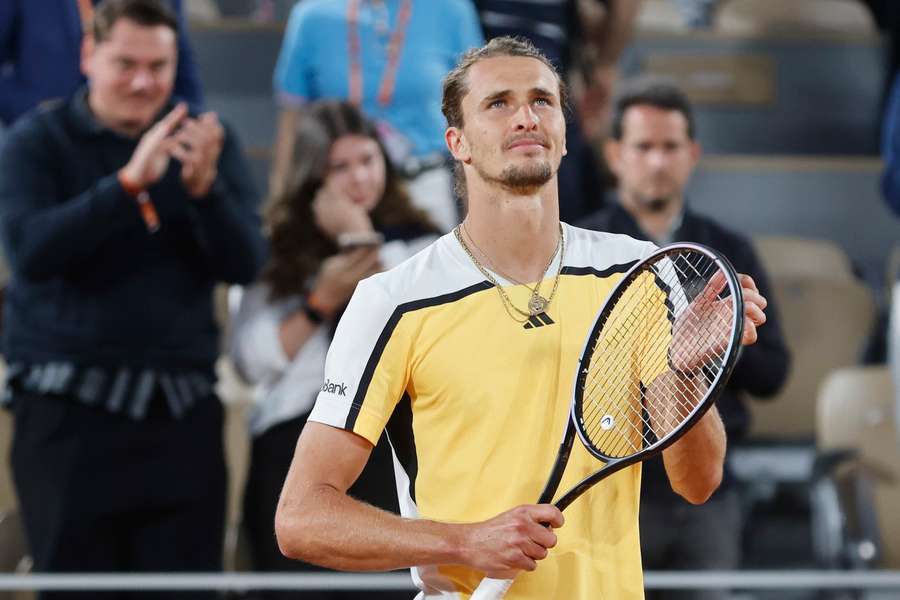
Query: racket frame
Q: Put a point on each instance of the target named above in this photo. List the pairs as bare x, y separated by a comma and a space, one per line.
574, 426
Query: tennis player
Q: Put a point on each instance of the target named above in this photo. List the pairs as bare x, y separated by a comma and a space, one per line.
466, 355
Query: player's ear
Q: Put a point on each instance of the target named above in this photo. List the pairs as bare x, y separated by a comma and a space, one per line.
458, 144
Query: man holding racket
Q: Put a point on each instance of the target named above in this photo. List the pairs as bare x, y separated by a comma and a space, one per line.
466, 354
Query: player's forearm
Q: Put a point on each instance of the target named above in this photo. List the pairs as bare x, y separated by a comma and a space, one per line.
328, 528
694, 463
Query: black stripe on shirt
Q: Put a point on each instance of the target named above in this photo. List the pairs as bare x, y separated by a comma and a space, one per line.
388, 331
403, 441
398, 313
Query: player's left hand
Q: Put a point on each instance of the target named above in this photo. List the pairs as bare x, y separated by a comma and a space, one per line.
716, 315
754, 309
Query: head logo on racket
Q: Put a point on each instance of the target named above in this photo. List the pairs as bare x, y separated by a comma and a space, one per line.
607, 422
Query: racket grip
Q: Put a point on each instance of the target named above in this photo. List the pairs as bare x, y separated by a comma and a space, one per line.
491, 589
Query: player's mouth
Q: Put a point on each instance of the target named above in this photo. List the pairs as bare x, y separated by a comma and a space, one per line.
526, 143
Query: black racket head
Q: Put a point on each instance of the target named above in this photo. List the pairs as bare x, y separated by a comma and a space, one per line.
660, 351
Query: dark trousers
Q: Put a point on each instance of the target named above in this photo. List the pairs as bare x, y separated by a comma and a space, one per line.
100, 492
271, 456
688, 537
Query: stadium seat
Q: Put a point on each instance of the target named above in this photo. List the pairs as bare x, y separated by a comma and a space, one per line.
7, 494
798, 256
826, 323
855, 412
237, 457
836, 199
757, 17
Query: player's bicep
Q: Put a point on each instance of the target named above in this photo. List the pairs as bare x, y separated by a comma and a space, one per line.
326, 456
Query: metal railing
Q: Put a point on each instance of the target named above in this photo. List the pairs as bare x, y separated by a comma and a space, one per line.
743, 580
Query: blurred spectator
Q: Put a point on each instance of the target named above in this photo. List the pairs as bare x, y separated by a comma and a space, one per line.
653, 152
886, 14
890, 188
40, 48
119, 211
587, 36
388, 57
890, 149
698, 14
340, 184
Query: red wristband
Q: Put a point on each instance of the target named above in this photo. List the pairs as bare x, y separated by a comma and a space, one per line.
145, 203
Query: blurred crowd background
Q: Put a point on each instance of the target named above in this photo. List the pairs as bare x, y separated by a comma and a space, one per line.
793, 108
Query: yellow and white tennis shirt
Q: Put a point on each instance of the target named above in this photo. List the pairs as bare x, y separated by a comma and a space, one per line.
475, 405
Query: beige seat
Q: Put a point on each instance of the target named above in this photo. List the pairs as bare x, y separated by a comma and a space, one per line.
856, 411
7, 492
826, 322
236, 398
788, 255
761, 17
766, 17
13, 549
237, 456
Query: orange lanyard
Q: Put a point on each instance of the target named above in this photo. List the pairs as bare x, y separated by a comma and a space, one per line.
395, 45
86, 12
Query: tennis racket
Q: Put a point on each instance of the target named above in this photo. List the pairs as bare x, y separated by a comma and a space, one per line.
660, 351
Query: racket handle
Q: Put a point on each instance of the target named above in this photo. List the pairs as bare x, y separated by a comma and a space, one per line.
491, 589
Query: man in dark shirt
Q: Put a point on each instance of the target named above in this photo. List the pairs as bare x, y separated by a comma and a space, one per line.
40, 44
119, 212
653, 151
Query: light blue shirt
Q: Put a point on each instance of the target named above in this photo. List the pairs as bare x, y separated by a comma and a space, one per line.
314, 60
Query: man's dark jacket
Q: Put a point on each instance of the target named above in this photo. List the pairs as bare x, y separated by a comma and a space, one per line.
90, 284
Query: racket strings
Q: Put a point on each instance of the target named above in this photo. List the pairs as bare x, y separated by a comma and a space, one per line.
720, 324
633, 393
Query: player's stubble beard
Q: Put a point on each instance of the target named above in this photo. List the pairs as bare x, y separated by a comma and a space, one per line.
521, 179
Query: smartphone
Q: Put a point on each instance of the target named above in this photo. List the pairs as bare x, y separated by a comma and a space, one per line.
364, 239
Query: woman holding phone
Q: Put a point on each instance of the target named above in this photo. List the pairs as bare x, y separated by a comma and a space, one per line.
343, 215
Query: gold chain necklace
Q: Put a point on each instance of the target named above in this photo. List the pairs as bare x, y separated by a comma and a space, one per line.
537, 304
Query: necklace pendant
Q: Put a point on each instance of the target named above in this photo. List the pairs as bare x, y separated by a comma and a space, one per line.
537, 304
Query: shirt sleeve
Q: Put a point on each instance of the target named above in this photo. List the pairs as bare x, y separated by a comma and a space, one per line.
227, 223
43, 235
368, 364
763, 367
291, 78
890, 149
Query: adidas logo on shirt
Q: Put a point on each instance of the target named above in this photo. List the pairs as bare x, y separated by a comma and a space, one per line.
539, 320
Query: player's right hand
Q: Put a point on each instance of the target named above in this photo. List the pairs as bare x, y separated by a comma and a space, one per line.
513, 541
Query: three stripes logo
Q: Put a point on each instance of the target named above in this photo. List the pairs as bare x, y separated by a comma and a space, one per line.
538, 320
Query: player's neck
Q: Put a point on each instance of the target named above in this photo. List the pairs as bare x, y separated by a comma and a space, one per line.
516, 233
